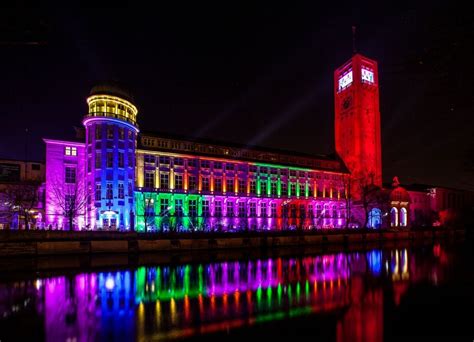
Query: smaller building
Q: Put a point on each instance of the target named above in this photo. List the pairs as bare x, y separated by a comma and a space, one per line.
21, 194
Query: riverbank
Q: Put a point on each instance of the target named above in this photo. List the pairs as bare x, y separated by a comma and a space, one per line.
39, 243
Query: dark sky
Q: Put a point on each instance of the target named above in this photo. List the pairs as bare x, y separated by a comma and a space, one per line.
258, 74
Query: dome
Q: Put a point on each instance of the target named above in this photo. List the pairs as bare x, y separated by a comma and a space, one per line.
112, 88
399, 194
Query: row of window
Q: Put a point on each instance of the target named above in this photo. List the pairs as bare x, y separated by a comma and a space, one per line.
243, 210
109, 160
221, 166
109, 191
108, 132
255, 187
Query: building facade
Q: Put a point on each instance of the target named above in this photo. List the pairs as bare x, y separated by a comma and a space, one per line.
118, 177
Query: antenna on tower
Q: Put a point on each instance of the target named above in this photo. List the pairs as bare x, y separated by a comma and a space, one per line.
354, 51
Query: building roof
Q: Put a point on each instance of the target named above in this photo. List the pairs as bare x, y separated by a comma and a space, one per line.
113, 88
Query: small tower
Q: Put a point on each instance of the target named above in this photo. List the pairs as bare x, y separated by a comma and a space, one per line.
111, 136
357, 121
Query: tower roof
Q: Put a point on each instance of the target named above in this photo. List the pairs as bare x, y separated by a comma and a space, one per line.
112, 88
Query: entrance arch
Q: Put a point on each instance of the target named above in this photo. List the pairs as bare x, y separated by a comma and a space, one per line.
375, 218
394, 217
403, 217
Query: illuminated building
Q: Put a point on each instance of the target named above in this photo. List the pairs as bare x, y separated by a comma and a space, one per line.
118, 177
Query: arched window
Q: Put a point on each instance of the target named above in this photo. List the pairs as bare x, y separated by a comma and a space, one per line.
394, 217
403, 217
375, 218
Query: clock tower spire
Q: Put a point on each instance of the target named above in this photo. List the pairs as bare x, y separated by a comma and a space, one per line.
357, 121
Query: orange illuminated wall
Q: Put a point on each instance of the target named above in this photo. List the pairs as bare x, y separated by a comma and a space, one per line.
357, 120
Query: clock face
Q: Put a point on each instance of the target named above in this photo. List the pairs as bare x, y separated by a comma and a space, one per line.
367, 76
347, 102
345, 80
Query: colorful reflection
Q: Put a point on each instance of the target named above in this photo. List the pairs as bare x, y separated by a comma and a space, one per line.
176, 301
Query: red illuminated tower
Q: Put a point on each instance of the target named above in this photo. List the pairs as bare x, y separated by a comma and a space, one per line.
357, 120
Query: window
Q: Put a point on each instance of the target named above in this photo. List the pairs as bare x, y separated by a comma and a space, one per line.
252, 168
263, 209
229, 167
218, 184
192, 183
284, 189
253, 187
130, 189
310, 211
110, 159
178, 182
70, 176
164, 180
164, 160
230, 185
253, 209
178, 207
217, 166
192, 162
263, 187
218, 208
149, 159
318, 211
242, 187
121, 193
302, 211
292, 173
121, 133
130, 135
164, 206
120, 159
242, 167
273, 210
98, 132
302, 190
263, 170
149, 179
110, 193
292, 189
274, 172
242, 209
205, 208
69, 151
273, 188
334, 211
205, 183
192, 208
110, 132
230, 209
205, 164
98, 192
178, 162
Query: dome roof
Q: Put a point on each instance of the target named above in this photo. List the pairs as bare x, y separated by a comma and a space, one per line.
399, 194
112, 88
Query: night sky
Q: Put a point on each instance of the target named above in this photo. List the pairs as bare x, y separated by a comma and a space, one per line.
258, 74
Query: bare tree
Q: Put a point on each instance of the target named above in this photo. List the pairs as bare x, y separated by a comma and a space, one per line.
71, 199
20, 199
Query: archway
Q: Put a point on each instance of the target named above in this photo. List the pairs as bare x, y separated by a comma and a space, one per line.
394, 217
403, 217
375, 218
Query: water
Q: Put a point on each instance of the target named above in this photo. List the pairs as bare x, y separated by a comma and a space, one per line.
372, 295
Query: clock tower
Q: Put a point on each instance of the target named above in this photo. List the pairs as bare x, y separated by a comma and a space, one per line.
357, 121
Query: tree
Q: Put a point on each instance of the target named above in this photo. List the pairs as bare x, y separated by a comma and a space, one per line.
70, 198
20, 199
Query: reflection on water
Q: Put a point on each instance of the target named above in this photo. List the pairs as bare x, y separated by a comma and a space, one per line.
191, 299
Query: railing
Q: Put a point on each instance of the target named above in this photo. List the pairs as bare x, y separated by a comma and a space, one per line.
112, 115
